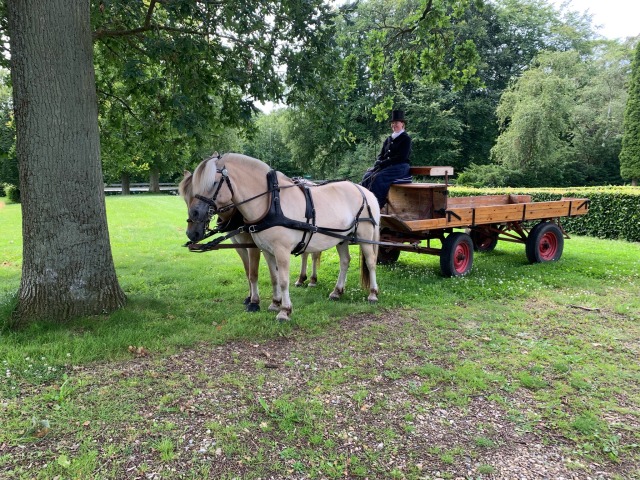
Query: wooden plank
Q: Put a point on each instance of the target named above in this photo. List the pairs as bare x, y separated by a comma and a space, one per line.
418, 186
519, 198
498, 214
423, 225
488, 214
546, 210
487, 200
431, 171
416, 201
477, 201
458, 217
394, 223
560, 208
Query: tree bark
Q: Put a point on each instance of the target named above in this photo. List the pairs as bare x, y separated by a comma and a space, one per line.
154, 180
125, 180
67, 267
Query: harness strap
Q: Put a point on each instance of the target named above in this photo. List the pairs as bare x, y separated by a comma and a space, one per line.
274, 216
310, 215
215, 242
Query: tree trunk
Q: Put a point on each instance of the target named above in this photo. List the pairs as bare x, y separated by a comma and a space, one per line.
154, 180
125, 180
634, 182
67, 267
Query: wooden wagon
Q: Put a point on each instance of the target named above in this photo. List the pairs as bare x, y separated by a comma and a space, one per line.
417, 213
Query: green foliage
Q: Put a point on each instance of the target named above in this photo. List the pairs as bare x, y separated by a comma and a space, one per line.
12, 192
630, 154
177, 80
492, 175
614, 212
561, 122
383, 62
8, 161
269, 143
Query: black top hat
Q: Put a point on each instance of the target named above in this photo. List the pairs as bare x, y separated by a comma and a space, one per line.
397, 116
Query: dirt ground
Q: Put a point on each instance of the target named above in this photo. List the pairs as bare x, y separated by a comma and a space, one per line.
347, 404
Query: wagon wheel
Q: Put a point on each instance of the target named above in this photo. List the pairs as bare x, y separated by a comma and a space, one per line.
545, 243
456, 257
483, 240
387, 255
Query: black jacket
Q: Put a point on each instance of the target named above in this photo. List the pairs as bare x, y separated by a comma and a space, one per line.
394, 151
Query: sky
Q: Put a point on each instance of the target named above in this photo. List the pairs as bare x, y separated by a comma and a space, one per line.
618, 18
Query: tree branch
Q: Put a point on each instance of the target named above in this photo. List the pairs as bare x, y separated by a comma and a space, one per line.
400, 32
122, 102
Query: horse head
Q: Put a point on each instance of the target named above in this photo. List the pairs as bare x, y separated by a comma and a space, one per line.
203, 193
195, 229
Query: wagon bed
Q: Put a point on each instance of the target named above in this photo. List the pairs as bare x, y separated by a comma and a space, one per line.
423, 211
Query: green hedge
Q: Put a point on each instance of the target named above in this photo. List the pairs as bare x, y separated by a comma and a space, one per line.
12, 192
614, 211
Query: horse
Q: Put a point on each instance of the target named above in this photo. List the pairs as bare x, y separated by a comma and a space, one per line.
285, 217
250, 256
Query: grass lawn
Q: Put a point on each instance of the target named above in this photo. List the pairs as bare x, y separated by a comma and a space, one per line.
555, 346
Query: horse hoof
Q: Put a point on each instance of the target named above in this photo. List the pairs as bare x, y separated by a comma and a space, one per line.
282, 317
313, 284
334, 298
247, 300
299, 284
373, 301
252, 307
274, 308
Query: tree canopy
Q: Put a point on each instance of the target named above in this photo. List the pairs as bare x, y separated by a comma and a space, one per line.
630, 154
560, 122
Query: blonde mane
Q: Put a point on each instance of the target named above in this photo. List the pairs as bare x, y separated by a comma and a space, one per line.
185, 188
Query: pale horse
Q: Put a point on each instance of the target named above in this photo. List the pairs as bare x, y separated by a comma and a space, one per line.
276, 212
250, 257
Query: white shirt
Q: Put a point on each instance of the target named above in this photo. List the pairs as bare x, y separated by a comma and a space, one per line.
394, 135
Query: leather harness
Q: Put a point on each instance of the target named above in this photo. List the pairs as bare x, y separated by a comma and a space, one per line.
274, 217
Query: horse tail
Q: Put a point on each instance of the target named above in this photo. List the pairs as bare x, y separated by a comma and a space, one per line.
365, 275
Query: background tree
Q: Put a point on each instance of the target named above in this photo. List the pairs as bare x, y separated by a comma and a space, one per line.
508, 35
219, 55
67, 267
630, 154
181, 73
8, 162
268, 142
560, 122
457, 125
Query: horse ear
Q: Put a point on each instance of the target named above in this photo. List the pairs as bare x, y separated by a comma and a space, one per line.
186, 173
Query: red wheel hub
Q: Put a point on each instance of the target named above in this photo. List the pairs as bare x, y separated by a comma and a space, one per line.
548, 246
461, 257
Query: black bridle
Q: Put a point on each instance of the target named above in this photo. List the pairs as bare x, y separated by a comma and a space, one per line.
213, 208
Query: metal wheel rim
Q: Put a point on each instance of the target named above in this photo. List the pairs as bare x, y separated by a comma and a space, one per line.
461, 257
548, 246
